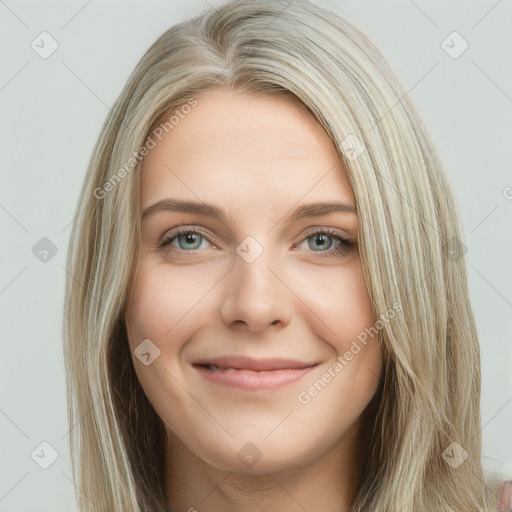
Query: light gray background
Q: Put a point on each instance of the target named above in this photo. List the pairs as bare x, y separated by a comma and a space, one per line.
52, 110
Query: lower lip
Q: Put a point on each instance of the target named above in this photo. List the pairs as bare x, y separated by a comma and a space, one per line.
251, 380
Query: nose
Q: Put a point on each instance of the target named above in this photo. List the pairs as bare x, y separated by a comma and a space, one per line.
256, 295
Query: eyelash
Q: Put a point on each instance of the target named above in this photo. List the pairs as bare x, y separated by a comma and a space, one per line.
340, 250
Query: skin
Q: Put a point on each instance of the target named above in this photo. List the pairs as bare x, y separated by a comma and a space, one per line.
257, 157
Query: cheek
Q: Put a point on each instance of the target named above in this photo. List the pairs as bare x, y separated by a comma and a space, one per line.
149, 309
338, 302
163, 304
164, 307
341, 314
354, 312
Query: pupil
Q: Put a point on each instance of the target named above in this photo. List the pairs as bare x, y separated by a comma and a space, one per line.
321, 239
190, 238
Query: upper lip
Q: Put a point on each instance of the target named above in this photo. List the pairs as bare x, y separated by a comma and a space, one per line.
249, 363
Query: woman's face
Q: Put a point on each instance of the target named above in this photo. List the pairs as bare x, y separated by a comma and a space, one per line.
264, 274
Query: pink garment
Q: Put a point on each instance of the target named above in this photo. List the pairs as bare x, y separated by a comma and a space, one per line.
504, 497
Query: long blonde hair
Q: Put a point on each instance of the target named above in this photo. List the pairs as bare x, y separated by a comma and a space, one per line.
410, 242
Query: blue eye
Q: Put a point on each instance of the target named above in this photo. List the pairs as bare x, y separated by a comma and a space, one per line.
324, 237
186, 237
322, 241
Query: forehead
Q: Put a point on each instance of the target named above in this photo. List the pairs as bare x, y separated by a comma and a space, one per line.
235, 148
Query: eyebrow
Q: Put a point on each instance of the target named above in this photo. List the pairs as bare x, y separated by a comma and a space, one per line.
210, 210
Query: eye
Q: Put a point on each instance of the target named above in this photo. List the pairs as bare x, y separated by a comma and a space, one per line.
322, 241
188, 238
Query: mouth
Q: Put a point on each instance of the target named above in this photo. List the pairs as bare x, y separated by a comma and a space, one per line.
251, 374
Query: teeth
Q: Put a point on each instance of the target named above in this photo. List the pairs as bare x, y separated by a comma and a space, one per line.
212, 367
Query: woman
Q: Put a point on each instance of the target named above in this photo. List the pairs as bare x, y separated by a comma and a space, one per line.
256, 369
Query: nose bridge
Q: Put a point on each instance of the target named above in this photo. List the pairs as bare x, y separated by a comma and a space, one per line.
254, 294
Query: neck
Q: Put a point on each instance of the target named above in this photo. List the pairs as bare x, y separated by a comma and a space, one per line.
327, 483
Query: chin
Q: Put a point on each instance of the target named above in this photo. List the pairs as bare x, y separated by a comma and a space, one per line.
255, 458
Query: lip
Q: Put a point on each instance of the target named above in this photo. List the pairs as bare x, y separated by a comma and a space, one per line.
253, 374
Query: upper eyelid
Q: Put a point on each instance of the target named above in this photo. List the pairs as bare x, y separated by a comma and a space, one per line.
326, 229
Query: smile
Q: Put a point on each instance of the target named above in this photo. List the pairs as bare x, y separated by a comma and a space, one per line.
253, 375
